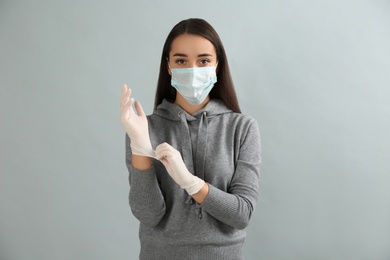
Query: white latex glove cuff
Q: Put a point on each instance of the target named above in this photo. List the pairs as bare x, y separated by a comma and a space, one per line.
196, 187
135, 149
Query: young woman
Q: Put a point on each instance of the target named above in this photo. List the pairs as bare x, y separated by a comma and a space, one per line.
194, 163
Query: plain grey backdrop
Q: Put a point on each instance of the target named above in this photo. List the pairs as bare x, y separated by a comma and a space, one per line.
315, 75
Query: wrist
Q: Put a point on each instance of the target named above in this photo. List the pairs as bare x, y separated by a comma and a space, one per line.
142, 149
202, 194
195, 186
141, 162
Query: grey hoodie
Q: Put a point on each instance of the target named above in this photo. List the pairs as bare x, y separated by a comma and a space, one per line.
217, 145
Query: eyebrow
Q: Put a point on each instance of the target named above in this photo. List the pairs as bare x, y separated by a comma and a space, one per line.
185, 55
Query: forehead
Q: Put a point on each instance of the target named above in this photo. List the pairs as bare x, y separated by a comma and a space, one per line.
191, 44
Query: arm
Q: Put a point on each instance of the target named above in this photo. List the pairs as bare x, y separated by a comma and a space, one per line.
235, 207
202, 194
146, 200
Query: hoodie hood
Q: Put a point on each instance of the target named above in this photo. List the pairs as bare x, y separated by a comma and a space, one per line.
174, 112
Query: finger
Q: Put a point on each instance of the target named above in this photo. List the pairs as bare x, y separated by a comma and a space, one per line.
162, 147
140, 110
123, 92
124, 88
164, 162
125, 112
126, 98
164, 157
165, 151
165, 144
124, 103
126, 92
127, 108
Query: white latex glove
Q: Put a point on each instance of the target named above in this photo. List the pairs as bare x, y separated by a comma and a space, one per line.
135, 124
171, 158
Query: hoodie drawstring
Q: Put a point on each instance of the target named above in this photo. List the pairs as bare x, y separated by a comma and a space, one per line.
201, 146
186, 152
200, 158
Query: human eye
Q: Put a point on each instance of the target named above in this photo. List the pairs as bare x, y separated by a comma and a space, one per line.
204, 62
180, 61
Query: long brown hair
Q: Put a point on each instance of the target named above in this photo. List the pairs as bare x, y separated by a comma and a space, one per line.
223, 88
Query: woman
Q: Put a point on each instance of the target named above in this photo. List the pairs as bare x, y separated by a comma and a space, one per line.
195, 193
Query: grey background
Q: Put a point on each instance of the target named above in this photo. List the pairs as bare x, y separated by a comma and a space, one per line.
315, 74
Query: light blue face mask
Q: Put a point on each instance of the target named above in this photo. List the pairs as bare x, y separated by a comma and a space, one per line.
194, 84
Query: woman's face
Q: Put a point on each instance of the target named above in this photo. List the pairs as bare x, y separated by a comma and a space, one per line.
191, 51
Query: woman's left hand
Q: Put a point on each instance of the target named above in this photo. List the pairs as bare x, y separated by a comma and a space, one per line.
173, 162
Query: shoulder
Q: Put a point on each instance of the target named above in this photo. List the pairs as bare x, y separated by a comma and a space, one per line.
246, 129
242, 120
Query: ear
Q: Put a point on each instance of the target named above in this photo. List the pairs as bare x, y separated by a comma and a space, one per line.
168, 68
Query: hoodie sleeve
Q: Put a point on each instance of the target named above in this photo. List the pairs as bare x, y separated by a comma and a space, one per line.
235, 207
146, 200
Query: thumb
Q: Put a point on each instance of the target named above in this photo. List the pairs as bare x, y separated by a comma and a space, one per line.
139, 108
164, 161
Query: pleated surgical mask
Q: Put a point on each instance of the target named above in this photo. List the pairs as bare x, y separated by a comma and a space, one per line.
194, 84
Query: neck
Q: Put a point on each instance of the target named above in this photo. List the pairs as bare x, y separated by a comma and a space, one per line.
189, 108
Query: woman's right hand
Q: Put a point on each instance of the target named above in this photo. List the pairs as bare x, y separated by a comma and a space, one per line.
135, 124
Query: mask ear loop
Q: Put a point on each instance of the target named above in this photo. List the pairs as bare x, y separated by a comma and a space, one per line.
216, 68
